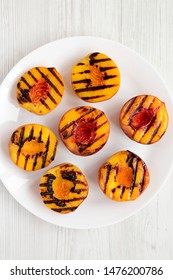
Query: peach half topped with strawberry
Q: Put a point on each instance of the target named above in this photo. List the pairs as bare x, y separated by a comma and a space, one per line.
144, 119
40, 90
84, 130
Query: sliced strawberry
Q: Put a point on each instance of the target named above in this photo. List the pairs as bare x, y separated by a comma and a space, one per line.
142, 118
39, 91
84, 132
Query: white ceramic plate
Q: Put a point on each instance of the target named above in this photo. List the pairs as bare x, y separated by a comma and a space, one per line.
137, 77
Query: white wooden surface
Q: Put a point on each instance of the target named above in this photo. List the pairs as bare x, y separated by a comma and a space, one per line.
143, 25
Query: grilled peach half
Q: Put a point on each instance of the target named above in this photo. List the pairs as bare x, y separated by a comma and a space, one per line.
33, 146
84, 130
95, 78
144, 119
124, 176
40, 90
63, 188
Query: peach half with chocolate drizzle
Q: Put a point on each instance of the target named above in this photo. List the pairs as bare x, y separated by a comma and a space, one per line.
33, 146
40, 90
63, 188
84, 130
124, 176
144, 119
95, 78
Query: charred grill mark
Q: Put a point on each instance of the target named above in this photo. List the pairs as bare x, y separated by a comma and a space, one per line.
26, 161
45, 104
154, 132
54, 150
66, 165
13, 136
97, 149
56, 201
80, 63
113, 190
130, 158
49, 82
84, 72
63, 202
69, 175
93, 55
95, 88
80, 182
39, 137
20, 143
103, 69
141, 185
51, 69
122, 190
72, 177
84, 147
87, 81
108, 168
50, 177
18, 85
78, 191
65, 209
24, 97
93, 60
100, 125
80, 108
115, 169
71, 123
31, 133
46, 193
34, 78
26, 82
98, 116
108, 77
35, 161
68, 125
48, 184
93, 97
135, 167
128, 107
51, 98
66, 135
44, 154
